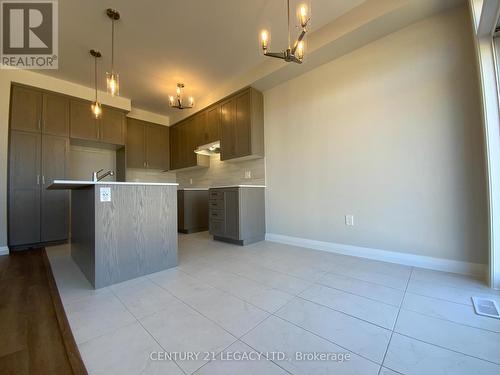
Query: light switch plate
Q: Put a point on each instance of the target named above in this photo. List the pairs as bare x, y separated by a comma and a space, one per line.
105, 194
248, 174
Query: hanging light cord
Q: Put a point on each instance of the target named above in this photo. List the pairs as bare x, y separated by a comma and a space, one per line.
113, 45
95, 77
288, 20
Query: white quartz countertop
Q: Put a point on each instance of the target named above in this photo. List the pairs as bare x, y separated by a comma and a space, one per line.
238, 186
75, 184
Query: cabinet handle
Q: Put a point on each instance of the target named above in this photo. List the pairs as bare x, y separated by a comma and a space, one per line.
144, 164
38, 179
39, 124
43, 180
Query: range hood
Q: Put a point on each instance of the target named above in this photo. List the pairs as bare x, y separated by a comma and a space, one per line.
209, 149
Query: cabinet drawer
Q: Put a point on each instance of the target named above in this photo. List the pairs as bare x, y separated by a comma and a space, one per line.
217, 214
216, 204
217, 227
214, 194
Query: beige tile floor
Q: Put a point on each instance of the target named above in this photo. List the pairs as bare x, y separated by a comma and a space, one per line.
224, 300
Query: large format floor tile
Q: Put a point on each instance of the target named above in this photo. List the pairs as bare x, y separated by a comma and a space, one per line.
242, 360
279, 336
362, 288
96, 315
126, 351
367, 309
356, 335
225, 300
179, 328
455, 312
463, 339
412, 357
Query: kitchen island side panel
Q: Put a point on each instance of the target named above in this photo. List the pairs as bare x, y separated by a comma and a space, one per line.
83, 231
135, 233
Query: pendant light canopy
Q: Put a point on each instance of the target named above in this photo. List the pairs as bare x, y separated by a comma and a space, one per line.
296, 52
177, 102
112, 77
96, 106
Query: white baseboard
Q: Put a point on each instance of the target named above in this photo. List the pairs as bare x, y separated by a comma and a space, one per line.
438, 264
4, 250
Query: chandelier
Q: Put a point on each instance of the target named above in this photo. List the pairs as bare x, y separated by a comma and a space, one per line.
176, 102
293, 53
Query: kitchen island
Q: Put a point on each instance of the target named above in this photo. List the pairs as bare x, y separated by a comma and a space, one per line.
122, 230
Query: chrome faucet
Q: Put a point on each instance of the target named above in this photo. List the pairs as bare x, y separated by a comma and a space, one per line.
96, 177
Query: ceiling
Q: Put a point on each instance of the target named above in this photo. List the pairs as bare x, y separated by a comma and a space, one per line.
161, 42
204, 44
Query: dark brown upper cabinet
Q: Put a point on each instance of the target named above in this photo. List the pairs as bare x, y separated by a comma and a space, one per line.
237, 121
26, 109
82, 122
38, 111
242, 126
112, 126
109, 129
55, 115
212, 130
147, 145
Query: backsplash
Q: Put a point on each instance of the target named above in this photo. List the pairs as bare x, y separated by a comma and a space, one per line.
224, 173
149, 175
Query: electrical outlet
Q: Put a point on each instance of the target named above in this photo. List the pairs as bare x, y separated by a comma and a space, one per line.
248, 174
349, 220
105, 194
190, 181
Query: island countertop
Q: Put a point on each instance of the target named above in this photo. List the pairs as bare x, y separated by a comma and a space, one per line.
76, 184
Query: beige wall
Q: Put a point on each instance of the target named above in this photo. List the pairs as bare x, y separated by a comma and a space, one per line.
223, 173
390, 133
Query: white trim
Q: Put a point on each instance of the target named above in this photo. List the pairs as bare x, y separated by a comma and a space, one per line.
439, 264
4, 250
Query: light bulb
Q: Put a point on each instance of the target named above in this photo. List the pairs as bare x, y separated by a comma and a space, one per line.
303, 16
178, 91
171, 100
264, 40
299, 53
96, 109
191, 101
112, 83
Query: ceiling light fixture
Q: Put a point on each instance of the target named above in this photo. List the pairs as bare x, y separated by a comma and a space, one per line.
176, 102
96, 106
296, 52
113, 78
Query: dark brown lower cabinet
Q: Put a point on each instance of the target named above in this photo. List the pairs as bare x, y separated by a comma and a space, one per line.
237, 214
35, 214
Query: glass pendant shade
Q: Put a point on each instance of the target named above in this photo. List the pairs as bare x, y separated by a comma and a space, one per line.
96, 109
113, 83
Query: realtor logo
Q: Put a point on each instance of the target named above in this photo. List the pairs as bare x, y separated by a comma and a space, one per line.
29, 34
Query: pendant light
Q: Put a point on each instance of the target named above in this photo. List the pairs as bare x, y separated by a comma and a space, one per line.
112, 78
177, 102
293, 53
96, 106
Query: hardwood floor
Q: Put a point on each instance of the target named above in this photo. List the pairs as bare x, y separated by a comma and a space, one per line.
35, 335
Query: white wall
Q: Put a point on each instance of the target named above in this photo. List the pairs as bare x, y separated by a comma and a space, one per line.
390, 133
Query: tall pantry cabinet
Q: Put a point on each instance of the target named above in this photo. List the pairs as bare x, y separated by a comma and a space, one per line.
38, 154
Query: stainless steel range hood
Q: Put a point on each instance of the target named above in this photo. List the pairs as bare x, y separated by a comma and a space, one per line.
209, 149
